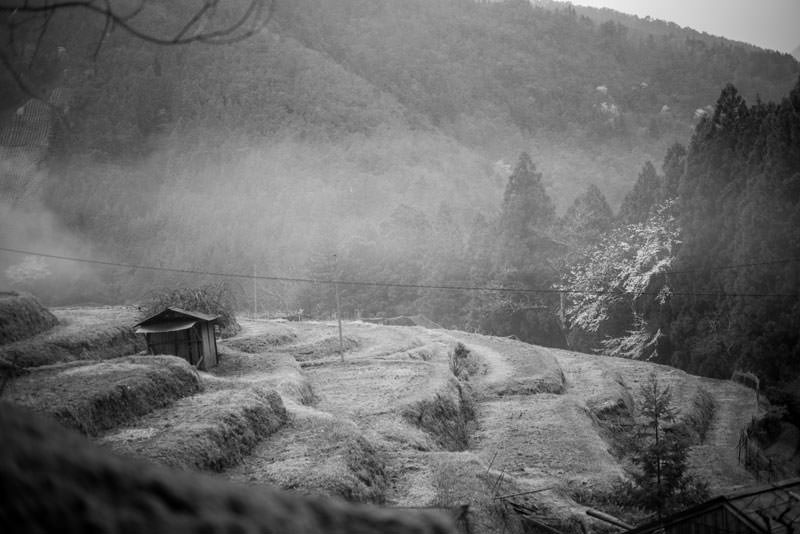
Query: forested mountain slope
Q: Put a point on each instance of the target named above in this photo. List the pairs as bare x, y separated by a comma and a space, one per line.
703, 274
583, 93
426, 154
379, 131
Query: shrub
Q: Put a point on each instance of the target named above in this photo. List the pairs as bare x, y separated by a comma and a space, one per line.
214, 299
702, 414
366, 466
449, 417
463, 363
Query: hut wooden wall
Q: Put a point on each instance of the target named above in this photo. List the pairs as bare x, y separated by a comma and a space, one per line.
209, 342
186, 344
718, 520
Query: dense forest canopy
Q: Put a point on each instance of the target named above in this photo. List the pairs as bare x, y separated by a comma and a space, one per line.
504, 146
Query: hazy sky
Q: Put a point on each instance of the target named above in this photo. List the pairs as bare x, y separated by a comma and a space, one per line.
772, 24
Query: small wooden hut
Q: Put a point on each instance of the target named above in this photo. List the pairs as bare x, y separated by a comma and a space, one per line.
187, 334
771, 509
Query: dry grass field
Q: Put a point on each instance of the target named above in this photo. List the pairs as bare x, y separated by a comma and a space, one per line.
53, 480
95, 396
81, 334
386, 421
22, 316
208, 431
543, 419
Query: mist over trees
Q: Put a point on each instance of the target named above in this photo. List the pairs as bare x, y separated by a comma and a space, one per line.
739, 206
721, 293
503, 147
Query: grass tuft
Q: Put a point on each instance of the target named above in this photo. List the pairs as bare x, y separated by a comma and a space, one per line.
323, 348
448, 416
22, 316
261, 342
701, 414
462, 485
463, 363
548, 381
367, 471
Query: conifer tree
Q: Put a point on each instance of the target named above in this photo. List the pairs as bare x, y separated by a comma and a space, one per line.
526, 219
662, 483
588, 218
640, 201
673, 167
523, 252
739, 200
526, 206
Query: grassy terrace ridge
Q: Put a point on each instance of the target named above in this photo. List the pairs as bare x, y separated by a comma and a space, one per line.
54, 480
543, 418
395, 421
209, 431
22, 316
94, 396
82, 333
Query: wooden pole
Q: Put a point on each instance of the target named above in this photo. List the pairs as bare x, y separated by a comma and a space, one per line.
255, 301
338, 308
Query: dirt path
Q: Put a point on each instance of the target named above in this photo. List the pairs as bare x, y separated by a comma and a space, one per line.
594, 377
541, 438
540, 435
717, 459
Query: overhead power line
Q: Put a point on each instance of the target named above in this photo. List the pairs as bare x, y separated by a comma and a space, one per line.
735, 266
396, 285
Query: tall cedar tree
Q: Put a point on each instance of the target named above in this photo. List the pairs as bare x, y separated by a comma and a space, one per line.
525, 252
588, 218
739, 202
526, 219
640, 201
673, 167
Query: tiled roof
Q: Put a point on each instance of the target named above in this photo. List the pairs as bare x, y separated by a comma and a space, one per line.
30, 126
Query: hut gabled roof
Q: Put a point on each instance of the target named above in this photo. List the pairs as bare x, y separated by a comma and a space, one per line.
173, 316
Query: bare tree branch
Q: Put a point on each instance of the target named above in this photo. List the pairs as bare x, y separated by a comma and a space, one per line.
39, 39
19, 13
138, 9
106, 27
255, 14
18, 79
197, 16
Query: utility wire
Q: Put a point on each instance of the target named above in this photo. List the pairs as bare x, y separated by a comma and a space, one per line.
737, 266
396, 285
